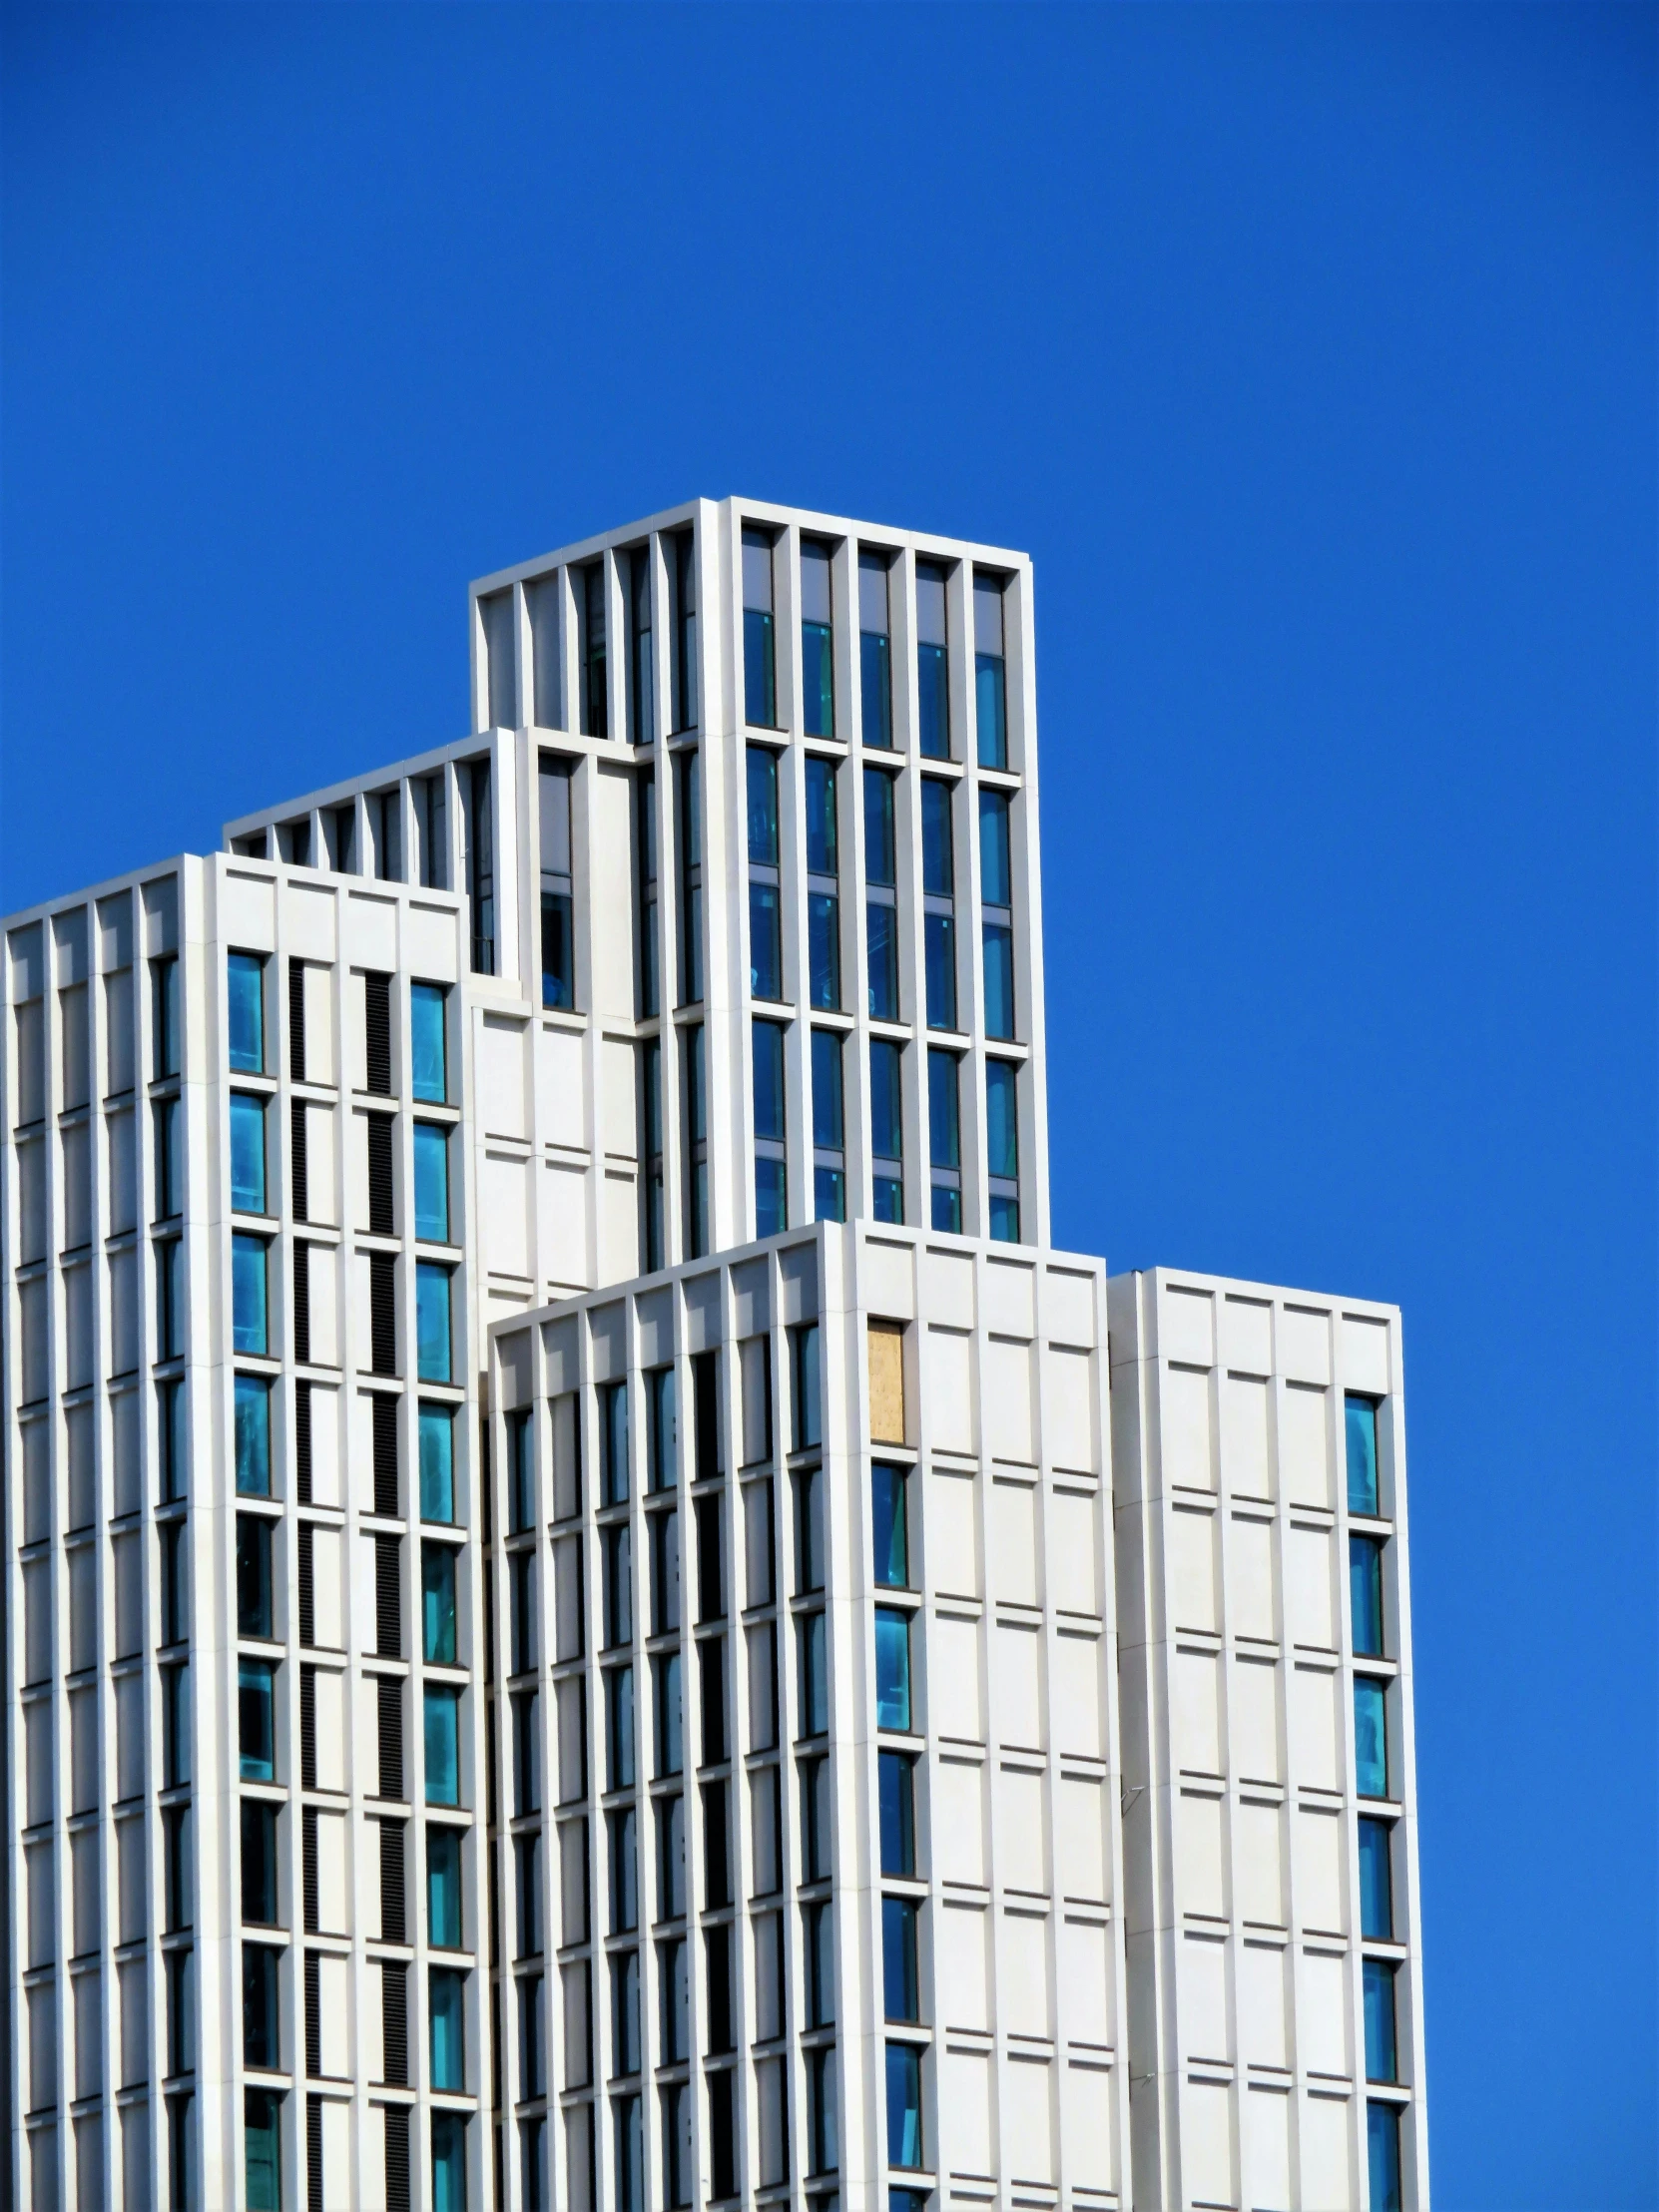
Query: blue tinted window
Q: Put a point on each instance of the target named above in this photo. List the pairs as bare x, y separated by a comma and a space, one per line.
448, 2012
772, 1197
899, 1981
818, 680
437, 1463
448, 2162
878, 826
828, 1194
253, 1430
1376, 1889
999, 979
940, 941
768, 1079
939, 865
903, 2105
824, 949
762, 805
1004, 1219
245, 993
1001, 1118
898, 1819
883, 960
814, 1674
822, 841
944, 1114
437, 1603
887, 1115
1382, 2157
1364, 1578
1382, 2057
443, 1888
887, 1198
933, 662
443, 1746
247, 1153
990, 683
892, 1538
829, 1116
428, 1058
759, 681
947, 1210
893, 1669
995, 870
613, 1440
766, 955
432, 1332
262, 2126
250, 1323
1371, 1737
1360, 1424
431, 1182
619, 1728
256, 1719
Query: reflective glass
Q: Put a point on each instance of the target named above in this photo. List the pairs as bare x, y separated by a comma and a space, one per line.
760, 675
828, 1194
903, 2105
428, 1059
995, 870
558, 952
899, 1979
829, 1117
256, 1719
896, 1775
448, 2162
253, 1594
261, 2128
818, 680
878, 826
433, 1330
1376, 1889
447, 2013
768, 1079
939, 937
1361, 1425
823, 951
772, 1203
247, 1154
823, 843
1381, 2056
249, 1330
999, 979
437, 1603
945, 1129
252, 1431
990, 710
887, 1198
891, 1527
431, 1182
876, 690
1365, 1580
245, 993
1382, 2157
887, 1116
1002, 1119
766, 944
762, 805
1004, 1219
947, 1210
1371, 1737
893, 1669
443, 1888
815, 1677
442, 1735
883, 960
437, 1463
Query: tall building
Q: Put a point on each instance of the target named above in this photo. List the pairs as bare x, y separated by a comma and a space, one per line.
593, 1617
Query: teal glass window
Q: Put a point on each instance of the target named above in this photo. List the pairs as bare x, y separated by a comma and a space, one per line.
247, 1154
808, 1387
443, 1888
437, 1463
903, 2105
947, 1210
670, 1734
447, 2011
1382, 2054
448, 2162
437, 1603
428, 1048
944, 1120
768, 1079
883, 922
249, 1300
433, 1341
613, 1442
252, 1435
996, 855
940, 947
824, 949
442, 1727
760, 674
938, 883
881, 851
874, 651
998, 943
933, 662
811, 1658
890, 1523
990, 695
1359, 1421
1004, 1223
896, 1784
818, 673
893, 1669
1365, 1581
1371, 1737
938, 852
1382, 2156
253, 1585
262, 2129
1376, 1887
256, 1719
244, 994
765, 942
900, 1981
761, 769
431, 1182
822, 840
828, 1193
1001, 1118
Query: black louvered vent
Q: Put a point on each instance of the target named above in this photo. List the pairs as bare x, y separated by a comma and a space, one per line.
296, 1021
396, 2030
380, 1127
307, 1728
393, 1926
307, 1835
398, 2158
302, 1304
392, 1736
384, 1416
389, 1597
383, 1313
377, 1034
313, 2155
308, 1588
299, 1160
303, 1441
313, 2016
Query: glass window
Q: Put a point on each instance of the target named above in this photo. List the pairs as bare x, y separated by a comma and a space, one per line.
663, 1441
437, 1463
828, 1193
893, 1669
874, 651
594, 701
685, 641
822, 844
933, 662
768, 1079
887, 1115
817, 702
164, 978
998, 942
630, 2154
259, 1864
622, 1831
256, 1719
262, 2129
811, 1658
1365, 1581
1002, 1148
808, 1414
432, 1325
169, 1181
940, 948
817, 1928
879, 848
613, 1442
1360, 1414
1382, 2057
443, 1719
437, 1603
428, 1053
447, 2012
990, 684
1376, 1887
619, 1727
176, 1731
899, 1979
765, 942
1382, 2157
521, 1472
247, 1153
824, 949
763, 804
891, 1525
760, 675
903, 2105
642, 702
252, 1433
896, 1773
882, 920
169, 1429
448, 2162
443, 1888
938, 883
249, 1320
670, 1716
691, 883
253, 1587
1371, 1737
170, 1299
431, 1182
646, 795
244, 991
996, 859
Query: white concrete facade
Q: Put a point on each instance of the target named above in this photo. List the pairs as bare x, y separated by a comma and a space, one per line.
724, 928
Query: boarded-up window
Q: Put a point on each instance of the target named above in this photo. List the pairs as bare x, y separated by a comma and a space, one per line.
887, 1382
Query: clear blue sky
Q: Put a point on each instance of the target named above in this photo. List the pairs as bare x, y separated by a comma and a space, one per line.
1312, 354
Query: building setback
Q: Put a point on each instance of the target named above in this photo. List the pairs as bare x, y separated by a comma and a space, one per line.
593, 1617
